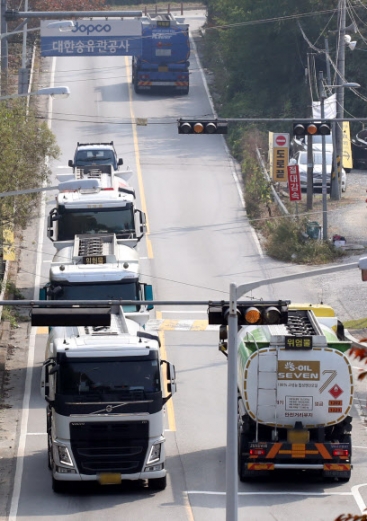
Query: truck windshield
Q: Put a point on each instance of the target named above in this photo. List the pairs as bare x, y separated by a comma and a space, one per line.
97, 156
101, 291
119, 379
76, 222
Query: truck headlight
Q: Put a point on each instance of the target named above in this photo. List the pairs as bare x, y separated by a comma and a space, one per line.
64, 455
155, 454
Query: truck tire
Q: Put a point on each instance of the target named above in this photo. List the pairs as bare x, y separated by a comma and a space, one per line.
158, 483
59, 487
346, 478
242, 442
136, 86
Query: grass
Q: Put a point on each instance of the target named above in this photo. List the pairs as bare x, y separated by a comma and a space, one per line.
359, 323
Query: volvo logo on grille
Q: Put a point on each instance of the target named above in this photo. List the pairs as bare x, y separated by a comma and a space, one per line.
91, 28
109, 408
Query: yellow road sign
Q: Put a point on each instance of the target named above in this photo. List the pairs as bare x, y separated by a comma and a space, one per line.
347, 147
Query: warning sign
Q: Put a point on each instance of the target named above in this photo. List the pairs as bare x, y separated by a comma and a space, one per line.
335, 391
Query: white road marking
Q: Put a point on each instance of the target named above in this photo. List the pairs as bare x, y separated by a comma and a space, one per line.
32, 340
358, 498
267, 493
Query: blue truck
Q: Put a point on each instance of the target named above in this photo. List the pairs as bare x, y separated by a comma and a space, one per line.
163, 63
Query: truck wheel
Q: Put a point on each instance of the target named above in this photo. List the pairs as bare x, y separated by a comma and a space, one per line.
59, 487
242, 441
158, 483
345, 478
136, 86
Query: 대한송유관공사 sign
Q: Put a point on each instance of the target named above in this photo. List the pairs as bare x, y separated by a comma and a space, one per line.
92, 38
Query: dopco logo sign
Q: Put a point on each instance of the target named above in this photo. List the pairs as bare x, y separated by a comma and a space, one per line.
298, 370
92, 38
91, 28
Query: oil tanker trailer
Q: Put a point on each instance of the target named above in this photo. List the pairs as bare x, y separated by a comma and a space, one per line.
295, 389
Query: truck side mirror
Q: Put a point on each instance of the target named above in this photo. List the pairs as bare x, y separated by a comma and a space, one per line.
120, 161
171, 380
148, 295
50, 230
43, 293
49, 368
143, 222
70, 163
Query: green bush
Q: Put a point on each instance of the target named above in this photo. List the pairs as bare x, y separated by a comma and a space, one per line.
287, 241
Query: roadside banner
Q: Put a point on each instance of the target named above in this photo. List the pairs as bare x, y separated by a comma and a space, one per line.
294, 185
329, 108
347, 147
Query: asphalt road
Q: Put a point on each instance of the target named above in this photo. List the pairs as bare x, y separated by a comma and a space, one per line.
199, 241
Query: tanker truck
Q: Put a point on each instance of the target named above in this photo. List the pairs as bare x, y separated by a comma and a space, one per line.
295, 389
163, 61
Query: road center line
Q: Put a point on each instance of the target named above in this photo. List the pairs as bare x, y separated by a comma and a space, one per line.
137, 160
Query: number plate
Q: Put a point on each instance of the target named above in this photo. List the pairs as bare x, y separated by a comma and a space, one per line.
108, 478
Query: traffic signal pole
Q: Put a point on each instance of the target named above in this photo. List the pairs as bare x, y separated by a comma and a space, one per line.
309, 173
340, 79
324, 179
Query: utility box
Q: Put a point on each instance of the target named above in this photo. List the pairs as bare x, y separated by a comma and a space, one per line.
313, 230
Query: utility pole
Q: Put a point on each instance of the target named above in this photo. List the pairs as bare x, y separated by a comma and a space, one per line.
324, 180
4, 50
340, 79
23, 71
334, 180
309, 173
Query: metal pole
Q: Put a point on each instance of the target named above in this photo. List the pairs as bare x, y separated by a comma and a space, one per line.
309, 173
340, 91
4, 49
23, 76
328, 73
231, 452
324, 180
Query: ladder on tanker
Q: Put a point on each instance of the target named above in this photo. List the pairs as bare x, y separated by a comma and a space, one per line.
267, 388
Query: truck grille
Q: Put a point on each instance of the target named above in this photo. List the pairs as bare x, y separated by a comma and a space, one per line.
109, 446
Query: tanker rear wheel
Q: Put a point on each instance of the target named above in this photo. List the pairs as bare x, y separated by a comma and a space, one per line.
243, 441
136, 86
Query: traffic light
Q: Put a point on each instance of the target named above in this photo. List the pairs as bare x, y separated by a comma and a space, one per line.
211, 126
312, 129
251, 313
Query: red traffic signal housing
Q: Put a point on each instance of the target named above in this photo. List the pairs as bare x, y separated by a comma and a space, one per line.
312, 129
211, 126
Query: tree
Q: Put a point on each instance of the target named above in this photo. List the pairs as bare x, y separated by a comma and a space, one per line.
25, 145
